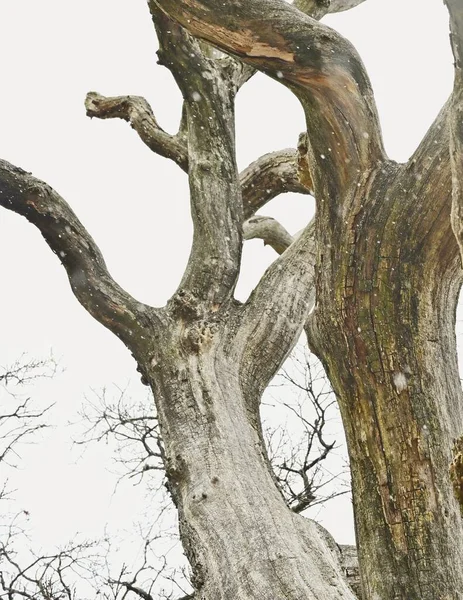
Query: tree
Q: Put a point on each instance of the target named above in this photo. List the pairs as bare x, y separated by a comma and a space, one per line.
381, 260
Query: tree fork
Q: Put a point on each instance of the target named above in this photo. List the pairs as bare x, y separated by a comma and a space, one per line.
387, 287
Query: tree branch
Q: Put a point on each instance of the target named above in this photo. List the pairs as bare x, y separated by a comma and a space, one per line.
270, 231
270, 175
318, 65
216, 205
90, 280
285, 295
136, 111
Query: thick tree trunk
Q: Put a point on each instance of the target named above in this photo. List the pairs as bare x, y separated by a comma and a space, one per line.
387, 294
240, 538
387, 286
387, 282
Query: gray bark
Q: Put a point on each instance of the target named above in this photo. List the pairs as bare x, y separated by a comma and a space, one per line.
386, 348
382, 262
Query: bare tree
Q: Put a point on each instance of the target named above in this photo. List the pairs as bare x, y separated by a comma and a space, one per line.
23, 573
299, 449
381, 258
297, 454
82, 568
20, 416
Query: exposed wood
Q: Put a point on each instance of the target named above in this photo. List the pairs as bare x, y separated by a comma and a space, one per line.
319, 65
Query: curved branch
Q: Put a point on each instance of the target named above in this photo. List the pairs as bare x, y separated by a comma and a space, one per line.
270, 175
285, 295
88, 275
313, 8
270, 231
136, 111
318, 65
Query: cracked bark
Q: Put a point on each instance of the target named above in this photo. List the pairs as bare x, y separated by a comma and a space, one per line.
387, 285
383, 262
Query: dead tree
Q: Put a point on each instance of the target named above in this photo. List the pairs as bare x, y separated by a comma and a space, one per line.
382, 261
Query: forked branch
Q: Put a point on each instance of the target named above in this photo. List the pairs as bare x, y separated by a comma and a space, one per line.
317, 64
90, 280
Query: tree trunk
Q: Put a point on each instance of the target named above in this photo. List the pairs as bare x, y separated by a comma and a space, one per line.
240, 538
387, 281
389, 286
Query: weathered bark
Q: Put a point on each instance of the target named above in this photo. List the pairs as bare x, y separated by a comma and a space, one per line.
383, 262
208, 358
241, 539
388, 289
388, 281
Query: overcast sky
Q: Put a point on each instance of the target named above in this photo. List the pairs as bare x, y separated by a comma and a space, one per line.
135, 204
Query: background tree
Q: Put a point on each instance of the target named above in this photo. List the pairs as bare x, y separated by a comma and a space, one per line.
389, 351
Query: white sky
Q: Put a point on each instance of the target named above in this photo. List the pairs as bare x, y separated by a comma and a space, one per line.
135, 204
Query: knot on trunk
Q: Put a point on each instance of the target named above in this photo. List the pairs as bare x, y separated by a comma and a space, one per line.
185, 304
199, 336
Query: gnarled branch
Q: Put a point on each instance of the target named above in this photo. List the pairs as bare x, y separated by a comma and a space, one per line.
264, 179
90, 280
318, 65
136, 111
270, 231
270, 175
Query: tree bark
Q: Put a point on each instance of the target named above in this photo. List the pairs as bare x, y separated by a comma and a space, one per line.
384, 328
387, 286
384, 264
240, 538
